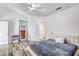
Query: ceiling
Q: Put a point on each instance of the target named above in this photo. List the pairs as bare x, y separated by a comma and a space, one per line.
21, 8
50, 8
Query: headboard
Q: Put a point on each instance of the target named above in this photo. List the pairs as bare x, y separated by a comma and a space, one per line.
69, 38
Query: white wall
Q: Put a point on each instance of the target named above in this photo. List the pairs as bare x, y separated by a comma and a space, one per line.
64, 22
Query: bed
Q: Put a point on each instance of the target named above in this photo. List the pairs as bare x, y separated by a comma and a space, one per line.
51, 48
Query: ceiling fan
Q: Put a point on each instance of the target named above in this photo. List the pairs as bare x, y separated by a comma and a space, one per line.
35, 7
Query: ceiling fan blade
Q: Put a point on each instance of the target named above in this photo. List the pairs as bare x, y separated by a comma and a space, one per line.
38, 7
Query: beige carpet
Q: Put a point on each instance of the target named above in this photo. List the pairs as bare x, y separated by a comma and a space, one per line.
4, 50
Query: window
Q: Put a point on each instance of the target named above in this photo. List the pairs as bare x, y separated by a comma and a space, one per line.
3, 32
42, 30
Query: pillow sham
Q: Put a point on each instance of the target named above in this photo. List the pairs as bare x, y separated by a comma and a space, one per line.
60, 40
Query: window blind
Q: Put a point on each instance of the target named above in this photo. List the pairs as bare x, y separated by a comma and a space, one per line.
3, 32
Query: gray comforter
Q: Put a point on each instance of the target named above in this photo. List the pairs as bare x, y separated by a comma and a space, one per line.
51, 48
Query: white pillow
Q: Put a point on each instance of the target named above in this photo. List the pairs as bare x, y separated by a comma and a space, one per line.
60, 40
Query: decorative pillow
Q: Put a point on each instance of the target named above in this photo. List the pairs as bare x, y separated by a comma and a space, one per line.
60, 40
65, 41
